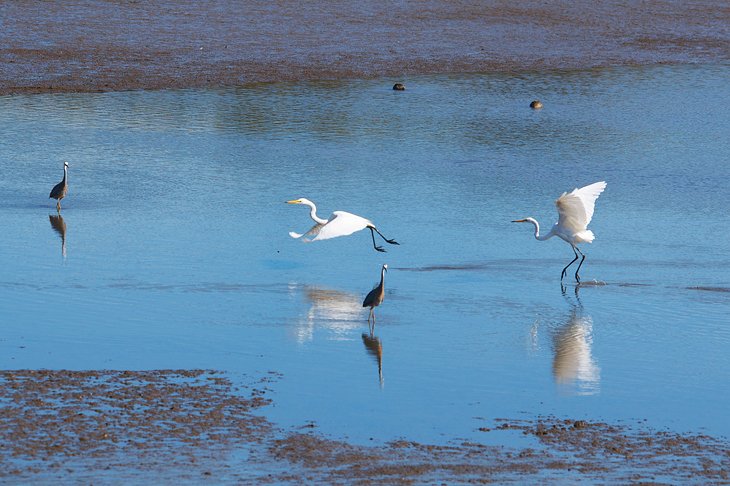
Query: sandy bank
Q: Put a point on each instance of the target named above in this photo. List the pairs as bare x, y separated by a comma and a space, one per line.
104, 46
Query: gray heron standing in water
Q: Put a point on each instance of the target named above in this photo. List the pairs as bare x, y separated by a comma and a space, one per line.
341, 223
375, 298
59, 190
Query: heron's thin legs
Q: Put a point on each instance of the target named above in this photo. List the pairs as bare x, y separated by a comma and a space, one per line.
562, 274
58, 206
577, 278
392, 242
379, 248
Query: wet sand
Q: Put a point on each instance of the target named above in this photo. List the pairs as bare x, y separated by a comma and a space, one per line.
88, 46
188, 425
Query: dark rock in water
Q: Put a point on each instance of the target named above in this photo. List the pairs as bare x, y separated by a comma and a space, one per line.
399, 87
536, 105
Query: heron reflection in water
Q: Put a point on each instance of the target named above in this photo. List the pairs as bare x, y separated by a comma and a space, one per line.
573, 361
59, 226
374, 348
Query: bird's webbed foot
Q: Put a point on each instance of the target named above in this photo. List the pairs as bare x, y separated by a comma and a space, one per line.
380, 248
392, 242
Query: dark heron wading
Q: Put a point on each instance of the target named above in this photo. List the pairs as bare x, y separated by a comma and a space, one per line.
59, 190
375, 297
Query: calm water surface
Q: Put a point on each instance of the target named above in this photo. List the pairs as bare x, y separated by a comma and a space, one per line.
173, 250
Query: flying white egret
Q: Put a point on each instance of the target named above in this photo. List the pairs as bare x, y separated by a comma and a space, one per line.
341, 223
575, 210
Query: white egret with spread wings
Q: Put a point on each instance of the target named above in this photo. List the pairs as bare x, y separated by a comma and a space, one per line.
341, 223
575, 211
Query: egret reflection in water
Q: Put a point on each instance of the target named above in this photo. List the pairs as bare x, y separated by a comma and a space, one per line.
374, 348
573, 362
59, 226
337, 312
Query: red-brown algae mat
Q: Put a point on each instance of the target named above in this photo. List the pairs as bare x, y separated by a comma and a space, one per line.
104, 46
184, 425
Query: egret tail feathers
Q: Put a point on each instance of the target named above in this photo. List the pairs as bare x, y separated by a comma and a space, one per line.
586, 236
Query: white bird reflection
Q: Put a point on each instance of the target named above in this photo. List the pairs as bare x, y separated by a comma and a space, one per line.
59, 226
339, 313
374, 348
573, 363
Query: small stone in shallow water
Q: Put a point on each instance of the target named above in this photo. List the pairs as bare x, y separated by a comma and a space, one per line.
399, 87
536, 105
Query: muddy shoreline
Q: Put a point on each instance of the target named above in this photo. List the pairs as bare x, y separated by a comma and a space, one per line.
188, 425
91, 46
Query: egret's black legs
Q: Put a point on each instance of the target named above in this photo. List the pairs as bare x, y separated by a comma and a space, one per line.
577, 278
379, 248
562, 274
392, 242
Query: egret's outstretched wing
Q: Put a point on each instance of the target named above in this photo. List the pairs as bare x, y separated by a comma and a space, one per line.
309, 235
342, 223
575, 208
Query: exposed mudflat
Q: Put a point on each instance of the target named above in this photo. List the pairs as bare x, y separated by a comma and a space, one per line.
104, 46
192, 424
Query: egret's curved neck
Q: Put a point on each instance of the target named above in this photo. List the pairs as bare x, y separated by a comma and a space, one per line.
537, 230
313, 213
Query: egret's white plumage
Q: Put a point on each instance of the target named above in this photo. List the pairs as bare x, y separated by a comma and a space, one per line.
575, 211
340, 223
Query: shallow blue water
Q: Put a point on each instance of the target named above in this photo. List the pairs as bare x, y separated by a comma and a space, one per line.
177, 253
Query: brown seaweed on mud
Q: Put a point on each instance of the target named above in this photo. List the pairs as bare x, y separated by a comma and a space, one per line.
591, 451
189, 424
139, 418
90, 46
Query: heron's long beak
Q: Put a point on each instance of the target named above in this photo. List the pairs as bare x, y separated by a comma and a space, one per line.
293, 201
520, 221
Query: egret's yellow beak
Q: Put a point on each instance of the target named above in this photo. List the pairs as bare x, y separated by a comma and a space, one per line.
520, 221
294, 201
